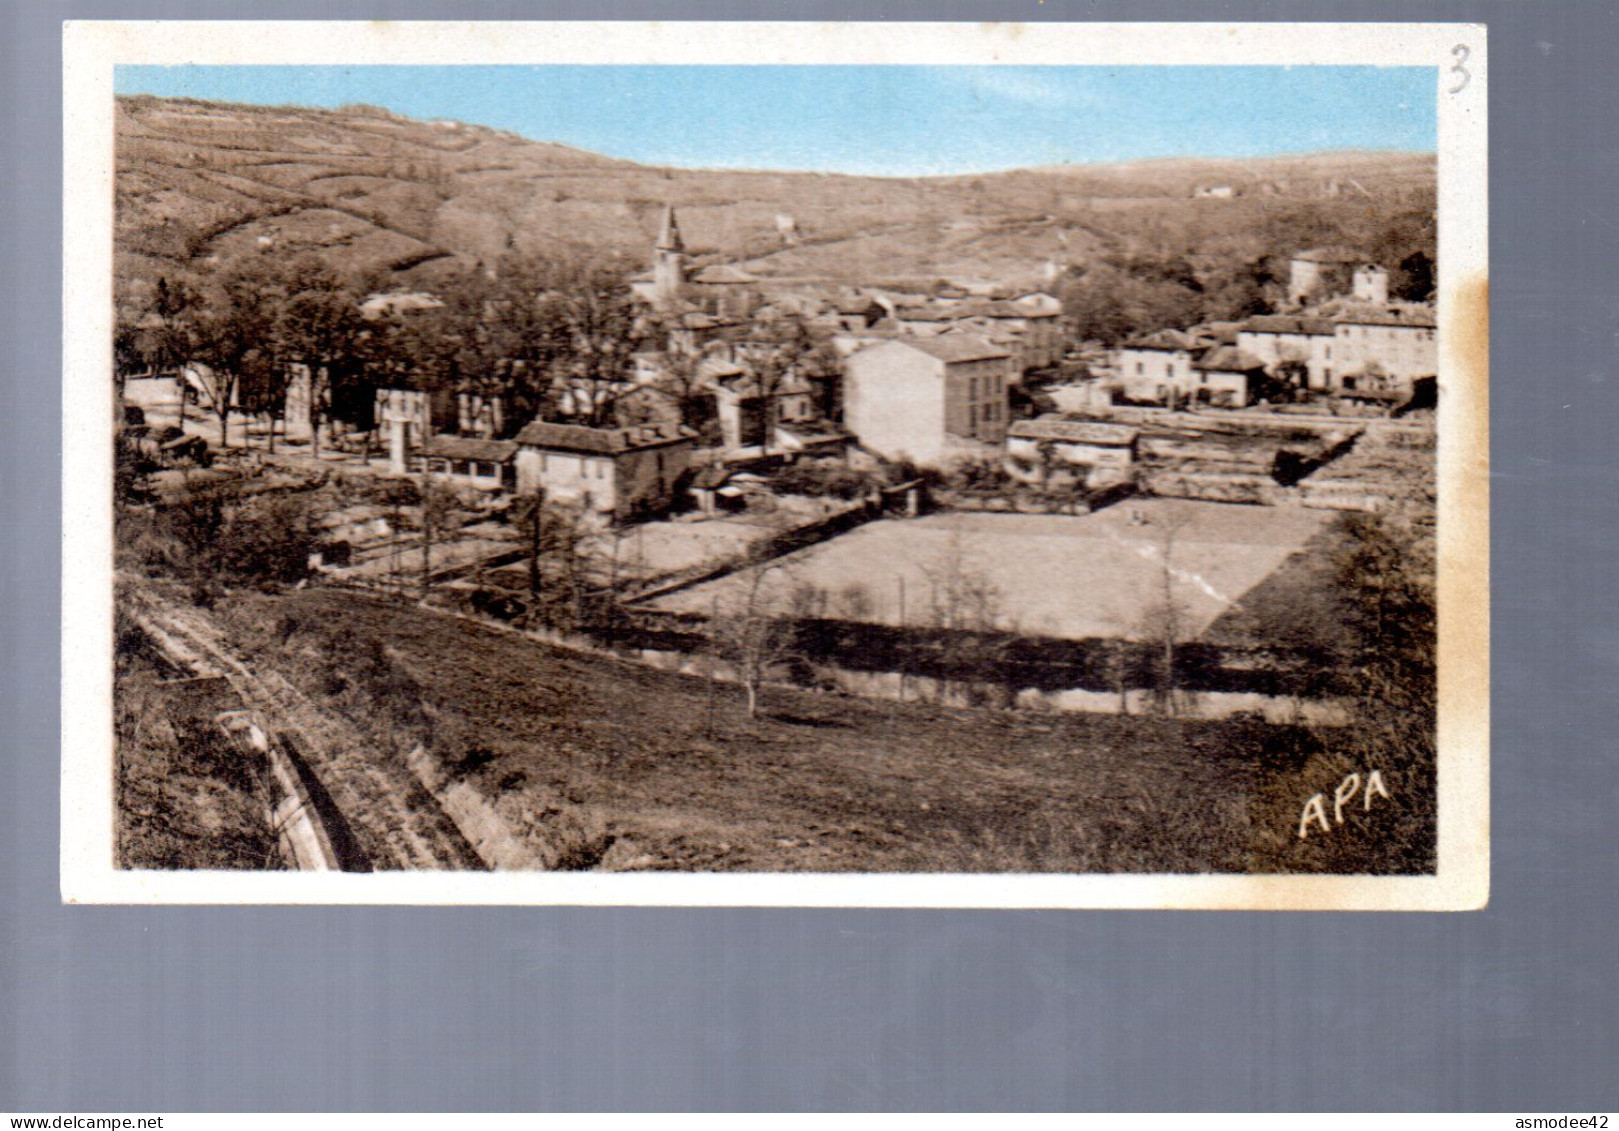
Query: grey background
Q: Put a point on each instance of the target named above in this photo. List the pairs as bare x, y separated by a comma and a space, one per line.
1514, 1008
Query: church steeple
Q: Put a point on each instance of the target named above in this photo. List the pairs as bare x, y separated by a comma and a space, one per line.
669, 261
669, 235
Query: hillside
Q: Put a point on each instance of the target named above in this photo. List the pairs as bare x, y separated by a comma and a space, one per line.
397, 201
816, 783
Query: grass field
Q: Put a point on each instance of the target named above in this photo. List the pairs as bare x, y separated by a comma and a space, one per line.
1095, 575
670, 764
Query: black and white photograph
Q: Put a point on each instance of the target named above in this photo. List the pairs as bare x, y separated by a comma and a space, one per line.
759, 468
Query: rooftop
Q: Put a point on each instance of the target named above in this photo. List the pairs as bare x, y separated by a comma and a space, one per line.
1228, 359
954, 348
1421, 317
723, 273
1288, 324
465, 447
1165, 340
600, 441
1333, 254
1073, 431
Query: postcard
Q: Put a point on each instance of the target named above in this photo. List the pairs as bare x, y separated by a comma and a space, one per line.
774, 464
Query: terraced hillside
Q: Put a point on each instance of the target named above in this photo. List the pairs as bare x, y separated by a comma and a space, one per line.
398, 200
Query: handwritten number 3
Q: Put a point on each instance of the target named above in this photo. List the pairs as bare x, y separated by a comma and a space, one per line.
1462, 54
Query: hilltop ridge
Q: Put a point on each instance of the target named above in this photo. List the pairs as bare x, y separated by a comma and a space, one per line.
397, 201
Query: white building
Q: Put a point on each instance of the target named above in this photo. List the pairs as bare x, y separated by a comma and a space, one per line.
1371, 285
1284, 343
1395, 343
1226, 377
486, 465
906, 397
1157, 368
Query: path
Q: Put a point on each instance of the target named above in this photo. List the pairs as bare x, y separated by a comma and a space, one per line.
397, 823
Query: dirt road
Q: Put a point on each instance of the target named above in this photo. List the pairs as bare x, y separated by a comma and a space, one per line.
397, 824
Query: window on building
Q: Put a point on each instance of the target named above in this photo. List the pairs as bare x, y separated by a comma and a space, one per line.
972, 388
972, 418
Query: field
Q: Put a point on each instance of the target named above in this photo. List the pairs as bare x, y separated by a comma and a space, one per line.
671, 767
1096, 575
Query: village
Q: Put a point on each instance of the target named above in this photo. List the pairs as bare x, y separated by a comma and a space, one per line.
764, 415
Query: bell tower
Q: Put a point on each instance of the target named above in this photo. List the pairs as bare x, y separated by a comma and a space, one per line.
669, 260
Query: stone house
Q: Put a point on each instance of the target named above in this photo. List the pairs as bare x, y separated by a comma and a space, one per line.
1321, 273
1157, 368
1051, 449
744, 410
485, 465
1035, 329
1400, 341
1227, 377
618, 472
1286, 343
1371, 285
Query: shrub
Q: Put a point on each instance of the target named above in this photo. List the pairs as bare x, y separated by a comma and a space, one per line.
822, 477
1385, 577
268, 540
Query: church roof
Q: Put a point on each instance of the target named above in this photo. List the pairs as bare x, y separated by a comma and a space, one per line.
723, 273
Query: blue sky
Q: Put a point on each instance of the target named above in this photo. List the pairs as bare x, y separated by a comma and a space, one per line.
884, 120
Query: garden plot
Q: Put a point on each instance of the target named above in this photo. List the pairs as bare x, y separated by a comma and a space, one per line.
1096, 575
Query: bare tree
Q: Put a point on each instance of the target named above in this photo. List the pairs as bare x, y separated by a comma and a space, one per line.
596, 313
437, 506
966, 609
1163, 623
555, 533
751, 637
787, 363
